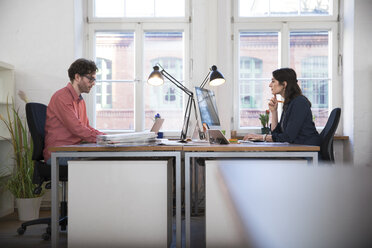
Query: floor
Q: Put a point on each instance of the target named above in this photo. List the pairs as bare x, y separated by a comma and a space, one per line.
32, 237
9, 237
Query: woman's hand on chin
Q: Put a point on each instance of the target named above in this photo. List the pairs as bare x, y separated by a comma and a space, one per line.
273, 104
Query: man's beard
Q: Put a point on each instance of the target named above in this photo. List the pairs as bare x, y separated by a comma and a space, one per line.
84, 89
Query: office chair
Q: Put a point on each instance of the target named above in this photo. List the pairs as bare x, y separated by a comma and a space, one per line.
36, 117
326, 147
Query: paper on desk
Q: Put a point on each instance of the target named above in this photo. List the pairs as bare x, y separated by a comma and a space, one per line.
261, 143
126, 138
167, 142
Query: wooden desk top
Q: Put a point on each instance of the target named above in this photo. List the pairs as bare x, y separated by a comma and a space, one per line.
336, 137
260, 147
341, 137
91, 147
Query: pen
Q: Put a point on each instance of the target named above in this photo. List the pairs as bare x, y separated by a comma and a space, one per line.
277, 100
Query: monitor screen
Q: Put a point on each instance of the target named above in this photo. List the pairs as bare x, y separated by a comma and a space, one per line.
207, 107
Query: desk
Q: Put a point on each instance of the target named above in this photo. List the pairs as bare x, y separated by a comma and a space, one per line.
241, 151
189, 151
96, 151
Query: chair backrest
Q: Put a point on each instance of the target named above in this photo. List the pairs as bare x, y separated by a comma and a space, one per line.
326, 147
36, 117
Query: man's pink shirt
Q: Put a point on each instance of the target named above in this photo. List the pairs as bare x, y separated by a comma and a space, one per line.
67, 121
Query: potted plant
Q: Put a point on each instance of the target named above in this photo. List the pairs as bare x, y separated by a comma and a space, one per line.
6, 198
264, 118
20, 182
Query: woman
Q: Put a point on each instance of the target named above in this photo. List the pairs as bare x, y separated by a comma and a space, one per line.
296, 123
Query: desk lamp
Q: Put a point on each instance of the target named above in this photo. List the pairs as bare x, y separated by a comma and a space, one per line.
156, 78
214, 77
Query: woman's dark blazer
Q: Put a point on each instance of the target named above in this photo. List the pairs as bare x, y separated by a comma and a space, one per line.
296, 124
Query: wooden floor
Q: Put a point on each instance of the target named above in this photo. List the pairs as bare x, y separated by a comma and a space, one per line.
9, 237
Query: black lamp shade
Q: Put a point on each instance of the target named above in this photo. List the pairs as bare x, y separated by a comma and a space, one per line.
155, 78
216, 77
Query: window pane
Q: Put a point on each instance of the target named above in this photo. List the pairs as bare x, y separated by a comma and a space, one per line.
283, 8
258, 56
170, 8
250, 8
254, 8
115, 80
309, 56
109, 8
165, 48
315, 7
139, 8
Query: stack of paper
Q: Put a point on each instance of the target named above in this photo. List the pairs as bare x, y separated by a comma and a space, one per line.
126, 138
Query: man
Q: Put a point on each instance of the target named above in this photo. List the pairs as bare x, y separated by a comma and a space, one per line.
66, 121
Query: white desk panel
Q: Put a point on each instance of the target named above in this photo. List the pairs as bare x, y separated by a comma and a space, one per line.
119, 204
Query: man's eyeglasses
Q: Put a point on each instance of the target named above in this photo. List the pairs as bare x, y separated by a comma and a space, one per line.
91, 79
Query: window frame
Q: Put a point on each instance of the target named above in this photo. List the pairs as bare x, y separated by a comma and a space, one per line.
139, 26
332, 17
284, 26
93, 19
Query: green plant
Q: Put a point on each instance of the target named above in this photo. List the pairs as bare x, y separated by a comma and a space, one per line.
20, 182
4, 178
264, 118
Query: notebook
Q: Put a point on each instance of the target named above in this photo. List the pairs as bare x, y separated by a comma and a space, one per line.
217, 137
157, 125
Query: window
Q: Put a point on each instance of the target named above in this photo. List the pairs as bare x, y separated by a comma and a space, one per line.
115, 80
104, 88
127, 38
251, 86
301, 34
166, 49
127, 41
258, 54
139, 8
309, 53
251, 8
174, 66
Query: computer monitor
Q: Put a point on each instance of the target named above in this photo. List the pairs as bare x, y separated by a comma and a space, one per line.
207, 106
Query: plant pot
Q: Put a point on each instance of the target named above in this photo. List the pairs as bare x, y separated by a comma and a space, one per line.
7, 203
265, 130
28, 208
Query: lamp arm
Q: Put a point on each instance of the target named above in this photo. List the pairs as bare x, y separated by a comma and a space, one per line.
176, 83
205, 80
186, 119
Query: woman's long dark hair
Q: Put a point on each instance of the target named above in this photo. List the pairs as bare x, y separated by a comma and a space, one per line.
293, 89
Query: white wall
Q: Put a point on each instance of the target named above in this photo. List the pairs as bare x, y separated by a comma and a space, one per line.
362, 82
357, 115
37, 37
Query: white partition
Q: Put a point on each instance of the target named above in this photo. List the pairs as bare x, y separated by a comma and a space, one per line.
119, 204
223, 227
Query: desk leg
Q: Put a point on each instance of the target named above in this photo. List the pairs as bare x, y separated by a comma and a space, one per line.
178, 202
196, 186
55, 200
187, 200
315, 158
312, 158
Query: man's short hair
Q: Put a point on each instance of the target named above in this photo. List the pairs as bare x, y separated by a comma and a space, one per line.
82, 67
